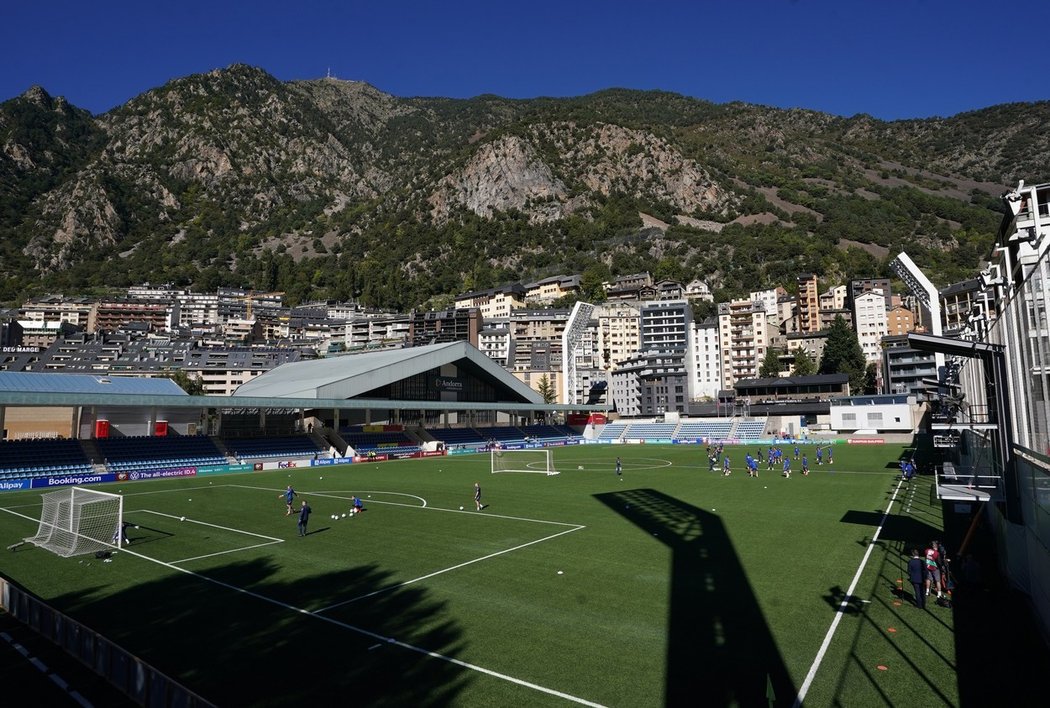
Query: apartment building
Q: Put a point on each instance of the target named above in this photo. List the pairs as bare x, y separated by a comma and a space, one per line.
743, 336
808, 303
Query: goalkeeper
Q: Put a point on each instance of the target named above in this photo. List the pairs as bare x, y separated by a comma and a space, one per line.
120, 536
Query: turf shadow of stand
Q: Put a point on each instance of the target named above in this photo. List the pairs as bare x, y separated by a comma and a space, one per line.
719, 648
237, 649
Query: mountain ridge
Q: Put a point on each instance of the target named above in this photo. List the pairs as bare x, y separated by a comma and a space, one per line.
328, 188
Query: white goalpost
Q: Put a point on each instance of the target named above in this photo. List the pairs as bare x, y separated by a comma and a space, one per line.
538, 461
75, 521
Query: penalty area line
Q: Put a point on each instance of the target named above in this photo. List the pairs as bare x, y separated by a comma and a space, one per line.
446, 570
222, 553
840, 611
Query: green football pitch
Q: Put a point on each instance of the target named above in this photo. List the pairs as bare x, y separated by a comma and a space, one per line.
669, 585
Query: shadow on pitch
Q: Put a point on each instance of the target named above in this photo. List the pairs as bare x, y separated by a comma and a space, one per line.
898, 527
719, 648
232, 640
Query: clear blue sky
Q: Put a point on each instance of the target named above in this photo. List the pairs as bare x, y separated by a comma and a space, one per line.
889, 58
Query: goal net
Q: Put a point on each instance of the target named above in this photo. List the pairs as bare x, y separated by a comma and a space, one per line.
75, 521
536, 461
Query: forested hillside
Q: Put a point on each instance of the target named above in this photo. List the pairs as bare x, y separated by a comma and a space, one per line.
333, 189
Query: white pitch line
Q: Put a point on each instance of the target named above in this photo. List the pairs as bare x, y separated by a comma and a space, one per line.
373, 635
446, 570
335, 495
205, 523
168, 491
232, 550
845, 602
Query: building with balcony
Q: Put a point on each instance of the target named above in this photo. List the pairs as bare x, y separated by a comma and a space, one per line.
744, 333
808, 303
870, 324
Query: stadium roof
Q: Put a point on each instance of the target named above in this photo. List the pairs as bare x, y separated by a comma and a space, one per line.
22, 382
352, 375
326, 383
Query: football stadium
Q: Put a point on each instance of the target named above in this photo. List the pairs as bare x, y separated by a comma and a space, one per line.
417, 527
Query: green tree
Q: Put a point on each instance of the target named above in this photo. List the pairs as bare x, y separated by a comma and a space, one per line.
702, 309
843, 355
770, 368
804, 364
871, 379
545, 388
193, 385
591, 289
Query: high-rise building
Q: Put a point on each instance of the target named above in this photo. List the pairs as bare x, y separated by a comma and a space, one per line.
658, 378
707, 361
808, 303
743, 335
619, 333
869, 322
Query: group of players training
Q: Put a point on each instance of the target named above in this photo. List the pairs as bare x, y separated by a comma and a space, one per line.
774, 457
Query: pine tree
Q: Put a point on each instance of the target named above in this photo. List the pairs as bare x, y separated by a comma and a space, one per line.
770, 368
804, 364
843, 355
545, 388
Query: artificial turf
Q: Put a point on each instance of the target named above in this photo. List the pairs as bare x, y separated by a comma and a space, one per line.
669, 585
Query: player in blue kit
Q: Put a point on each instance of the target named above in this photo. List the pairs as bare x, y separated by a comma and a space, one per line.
288, 494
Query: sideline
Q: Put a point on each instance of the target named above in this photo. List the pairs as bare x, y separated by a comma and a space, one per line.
840, 611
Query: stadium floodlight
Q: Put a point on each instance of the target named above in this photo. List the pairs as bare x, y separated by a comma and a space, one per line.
537, 461
75, 521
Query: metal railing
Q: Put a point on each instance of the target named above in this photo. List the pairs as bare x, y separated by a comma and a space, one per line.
138, 680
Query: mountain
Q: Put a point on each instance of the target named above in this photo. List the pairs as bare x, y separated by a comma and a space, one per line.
333, 189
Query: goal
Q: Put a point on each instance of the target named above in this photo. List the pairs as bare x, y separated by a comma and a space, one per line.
537, 461
75, 521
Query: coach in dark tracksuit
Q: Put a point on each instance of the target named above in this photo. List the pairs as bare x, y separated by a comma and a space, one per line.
304, 517
916, 574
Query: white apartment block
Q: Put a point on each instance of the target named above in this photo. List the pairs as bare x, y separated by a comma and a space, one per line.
769, 300
619, 333
196, 310
871, 323
376, 332
666, 324
743, 336
707, 364
53, 310
496, 342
